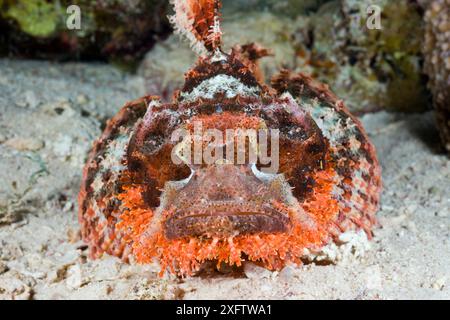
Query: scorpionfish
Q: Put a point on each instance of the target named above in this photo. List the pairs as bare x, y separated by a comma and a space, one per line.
136, 202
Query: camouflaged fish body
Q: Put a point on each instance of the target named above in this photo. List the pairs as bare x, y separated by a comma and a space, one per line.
135, 201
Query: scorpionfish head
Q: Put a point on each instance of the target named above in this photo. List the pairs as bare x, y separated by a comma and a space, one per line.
228, 170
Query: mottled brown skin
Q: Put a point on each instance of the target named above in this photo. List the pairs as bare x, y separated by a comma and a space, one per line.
125, 118
305, 87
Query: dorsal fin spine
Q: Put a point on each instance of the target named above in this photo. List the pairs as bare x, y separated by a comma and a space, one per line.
199, 22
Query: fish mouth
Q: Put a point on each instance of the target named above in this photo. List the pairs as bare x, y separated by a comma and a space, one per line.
214, 222
223, 201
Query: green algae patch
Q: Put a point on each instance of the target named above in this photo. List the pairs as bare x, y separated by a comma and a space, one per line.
37, 18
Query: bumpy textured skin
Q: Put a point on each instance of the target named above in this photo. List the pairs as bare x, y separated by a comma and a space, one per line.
136, 202
101, 181
354, 156
437, 62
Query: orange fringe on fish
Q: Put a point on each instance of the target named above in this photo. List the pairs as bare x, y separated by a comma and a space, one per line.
185, 256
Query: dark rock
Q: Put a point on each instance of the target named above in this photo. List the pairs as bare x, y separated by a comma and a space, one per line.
121, 30
437, 63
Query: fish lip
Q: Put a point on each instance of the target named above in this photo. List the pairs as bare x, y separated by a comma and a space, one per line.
223, 214
225, 224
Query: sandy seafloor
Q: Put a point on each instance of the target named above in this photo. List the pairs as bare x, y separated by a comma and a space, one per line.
49, 116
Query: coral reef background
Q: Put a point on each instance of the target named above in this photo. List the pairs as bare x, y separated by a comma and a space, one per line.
437, 62
370, 69
120, 31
